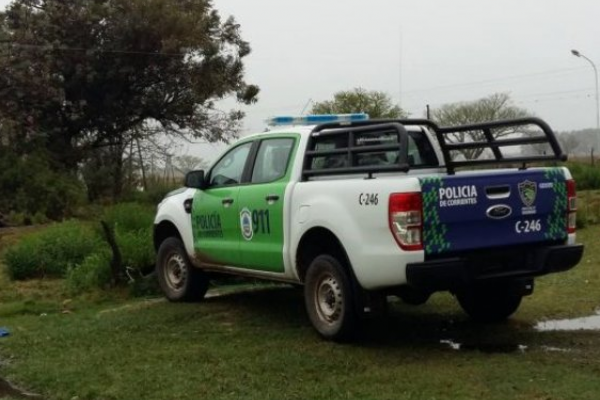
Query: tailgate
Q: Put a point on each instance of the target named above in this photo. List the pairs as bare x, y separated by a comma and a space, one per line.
494, 209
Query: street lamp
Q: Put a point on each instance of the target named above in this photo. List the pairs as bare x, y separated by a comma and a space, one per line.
578, 54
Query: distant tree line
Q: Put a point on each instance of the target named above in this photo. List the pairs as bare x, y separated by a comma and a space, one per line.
495, 107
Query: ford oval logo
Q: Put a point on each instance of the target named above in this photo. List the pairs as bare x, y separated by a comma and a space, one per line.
499, 211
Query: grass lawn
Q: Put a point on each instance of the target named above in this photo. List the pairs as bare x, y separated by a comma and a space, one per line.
258, 344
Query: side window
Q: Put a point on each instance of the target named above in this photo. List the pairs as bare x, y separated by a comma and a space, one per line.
420, 152
377, 158
272, 160
330, 161
228, 171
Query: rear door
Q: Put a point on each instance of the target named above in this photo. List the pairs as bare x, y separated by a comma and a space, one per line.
495, 209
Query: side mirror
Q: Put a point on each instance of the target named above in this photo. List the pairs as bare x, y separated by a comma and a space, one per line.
195, 180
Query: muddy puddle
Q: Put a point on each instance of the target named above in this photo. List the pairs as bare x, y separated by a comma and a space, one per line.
491, 348
591, 323
498, 348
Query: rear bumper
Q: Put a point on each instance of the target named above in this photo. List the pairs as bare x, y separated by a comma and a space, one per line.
513, 263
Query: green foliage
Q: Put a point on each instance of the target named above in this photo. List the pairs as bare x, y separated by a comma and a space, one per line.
92, 82
496, 107
36, 191
130, 217
132, 224
136, 248
405, 355
80, 253
586, 176
17, 218
376, 104
588, 208
98, 172
93, 273
50, 253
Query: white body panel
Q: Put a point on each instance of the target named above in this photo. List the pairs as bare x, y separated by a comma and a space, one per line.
363, 231
171, 210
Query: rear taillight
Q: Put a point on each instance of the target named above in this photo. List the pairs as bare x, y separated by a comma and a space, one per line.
571, 207
406, 220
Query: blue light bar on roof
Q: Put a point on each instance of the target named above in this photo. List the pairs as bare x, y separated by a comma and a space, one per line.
316, 119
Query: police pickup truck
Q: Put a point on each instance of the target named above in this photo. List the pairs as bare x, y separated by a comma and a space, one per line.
355, 210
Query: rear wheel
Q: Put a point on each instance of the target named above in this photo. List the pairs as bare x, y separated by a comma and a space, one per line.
329, 299
178, 279
490, 302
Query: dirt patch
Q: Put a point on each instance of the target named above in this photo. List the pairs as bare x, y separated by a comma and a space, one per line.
8, 390
134, 306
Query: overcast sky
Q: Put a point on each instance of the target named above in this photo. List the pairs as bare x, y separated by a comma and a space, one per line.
422, 52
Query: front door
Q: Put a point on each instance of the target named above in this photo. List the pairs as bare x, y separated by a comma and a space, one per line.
260, 206
215, 221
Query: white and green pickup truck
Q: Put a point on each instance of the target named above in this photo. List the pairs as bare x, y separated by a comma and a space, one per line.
356, 210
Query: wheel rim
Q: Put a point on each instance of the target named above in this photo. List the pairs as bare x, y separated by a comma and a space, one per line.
329, 299
175, 272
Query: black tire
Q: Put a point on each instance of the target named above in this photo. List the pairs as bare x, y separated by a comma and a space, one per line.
177, 277
489, 303
329, 299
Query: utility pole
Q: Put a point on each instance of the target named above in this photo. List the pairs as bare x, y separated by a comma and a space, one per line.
597, 144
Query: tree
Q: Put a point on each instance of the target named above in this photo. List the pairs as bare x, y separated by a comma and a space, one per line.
492, 108
579, 142
376, 104
187, 163
569, 142
82, 75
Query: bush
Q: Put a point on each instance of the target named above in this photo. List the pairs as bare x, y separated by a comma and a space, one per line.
132, 224
130, 217
37, 191
93, 273
586, 176
137, 250
51, 252
588, 208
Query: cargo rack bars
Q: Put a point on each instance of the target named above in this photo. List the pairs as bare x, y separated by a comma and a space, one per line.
351, 129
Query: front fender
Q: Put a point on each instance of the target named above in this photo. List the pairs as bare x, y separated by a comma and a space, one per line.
172, 210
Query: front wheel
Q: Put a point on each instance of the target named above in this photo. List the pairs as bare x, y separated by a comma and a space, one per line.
178, 279
489, 303
329, 299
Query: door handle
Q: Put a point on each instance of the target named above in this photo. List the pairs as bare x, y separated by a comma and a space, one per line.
271, 198
227, 202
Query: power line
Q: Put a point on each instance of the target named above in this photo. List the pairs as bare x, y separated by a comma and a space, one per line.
557, 92
517, 101
513, 77
560, 98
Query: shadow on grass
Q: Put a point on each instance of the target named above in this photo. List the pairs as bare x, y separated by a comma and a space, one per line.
282, 307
